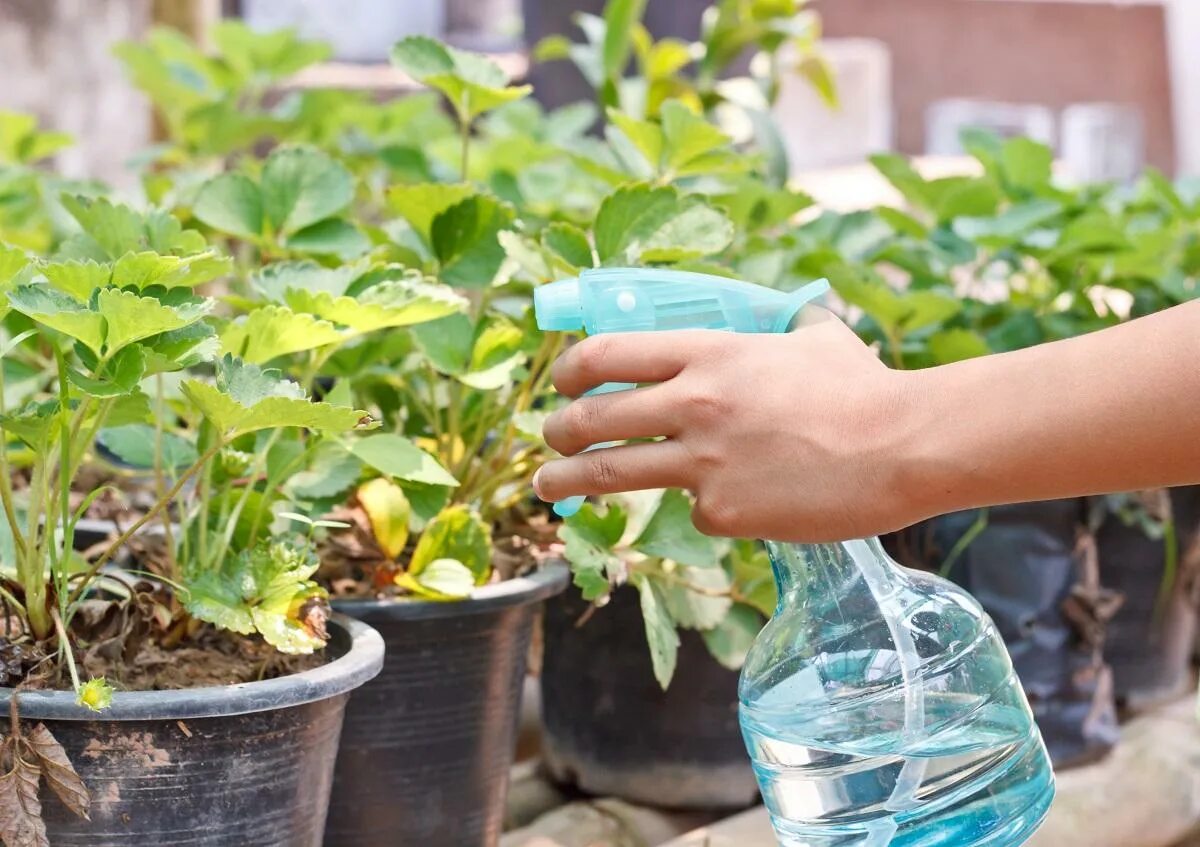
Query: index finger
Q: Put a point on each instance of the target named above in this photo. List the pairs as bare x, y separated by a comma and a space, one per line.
636, 357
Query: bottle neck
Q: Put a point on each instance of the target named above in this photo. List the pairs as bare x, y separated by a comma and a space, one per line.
829, 570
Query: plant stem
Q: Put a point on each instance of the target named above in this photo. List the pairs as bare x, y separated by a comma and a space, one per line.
6, 492
968, 537
64, 644
465, 133
1170, 566
160, 482
150, 515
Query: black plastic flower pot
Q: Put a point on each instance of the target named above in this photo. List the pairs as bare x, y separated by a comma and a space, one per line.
427, 747
233, 766
609, 728
1149, 640
1041, 586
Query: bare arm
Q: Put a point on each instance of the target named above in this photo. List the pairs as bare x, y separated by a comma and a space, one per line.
808, 437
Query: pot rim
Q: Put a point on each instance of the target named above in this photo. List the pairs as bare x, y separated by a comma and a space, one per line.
550, 579
360, 660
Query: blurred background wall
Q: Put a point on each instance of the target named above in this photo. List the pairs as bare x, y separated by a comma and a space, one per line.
1112, 84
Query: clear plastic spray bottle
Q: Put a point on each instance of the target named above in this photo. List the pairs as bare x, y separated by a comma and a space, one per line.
879, 705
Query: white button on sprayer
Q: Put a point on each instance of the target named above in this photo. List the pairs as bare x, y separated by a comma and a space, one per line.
626, 301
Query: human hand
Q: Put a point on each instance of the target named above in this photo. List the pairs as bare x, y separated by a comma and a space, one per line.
788, 437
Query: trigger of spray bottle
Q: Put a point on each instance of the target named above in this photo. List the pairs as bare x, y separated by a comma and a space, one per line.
604, 300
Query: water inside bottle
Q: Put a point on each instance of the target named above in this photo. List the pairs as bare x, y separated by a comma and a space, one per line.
827, 713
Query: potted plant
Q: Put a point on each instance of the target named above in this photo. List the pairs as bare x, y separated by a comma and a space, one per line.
649, 712
126, 356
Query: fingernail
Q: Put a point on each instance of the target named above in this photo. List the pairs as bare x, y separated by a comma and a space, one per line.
536, 489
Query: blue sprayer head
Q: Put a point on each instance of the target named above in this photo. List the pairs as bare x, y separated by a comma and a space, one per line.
650, 299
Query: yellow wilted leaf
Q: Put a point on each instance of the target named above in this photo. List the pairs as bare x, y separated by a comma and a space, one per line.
387, 508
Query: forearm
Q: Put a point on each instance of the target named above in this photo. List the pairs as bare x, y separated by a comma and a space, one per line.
1115, 410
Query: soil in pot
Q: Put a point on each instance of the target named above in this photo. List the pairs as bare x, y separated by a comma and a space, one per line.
247, 765
427, 746
610, 729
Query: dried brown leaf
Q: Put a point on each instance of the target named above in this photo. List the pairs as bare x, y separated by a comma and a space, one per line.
21, 823
59, 772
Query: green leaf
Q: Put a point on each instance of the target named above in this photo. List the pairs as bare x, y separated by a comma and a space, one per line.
53, 309
688, 136
399, 458
247, 398
388, 511
77, 279
275, 281
122, 374
570, 243
590, 538
301, 186
395, 303
640, 223
181, 348
911, 185
464, 239
670, 534
330, 237
471, 82
660, 630
646, 136
131, 318
927, 308
1010, 225
274, 331
276, 54
420, 204
446, 343
135, 445
875, 298
231, 203
442, 579
956, 196
216, 597
456, 533
697, 609
1026, 163
752, 575
496, 354
953, 345
729, 642
330, 469
620, 18
142, 270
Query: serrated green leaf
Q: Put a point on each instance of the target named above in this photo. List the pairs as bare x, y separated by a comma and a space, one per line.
1026, 164
420, 204
135, 445
181, 348
399, 458
927, 308
875, 298
274, 331
904, 178
661, 636
129, 318
275, 281
646, 136
464, 239
122, 374
301, 186
670, 534
330, 237
77, 279
1010, 225
471, 82
570, 243
393, 303
692, 596
217, 598
729, 642
496, 353
456, 533
640, 223
687, 136
231, 203
141, 270
60, 312
388, 511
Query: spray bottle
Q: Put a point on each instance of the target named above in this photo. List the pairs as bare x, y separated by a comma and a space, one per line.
879, 705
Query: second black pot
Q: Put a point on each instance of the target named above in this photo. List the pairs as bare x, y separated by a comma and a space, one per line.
610, 729
427, 747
